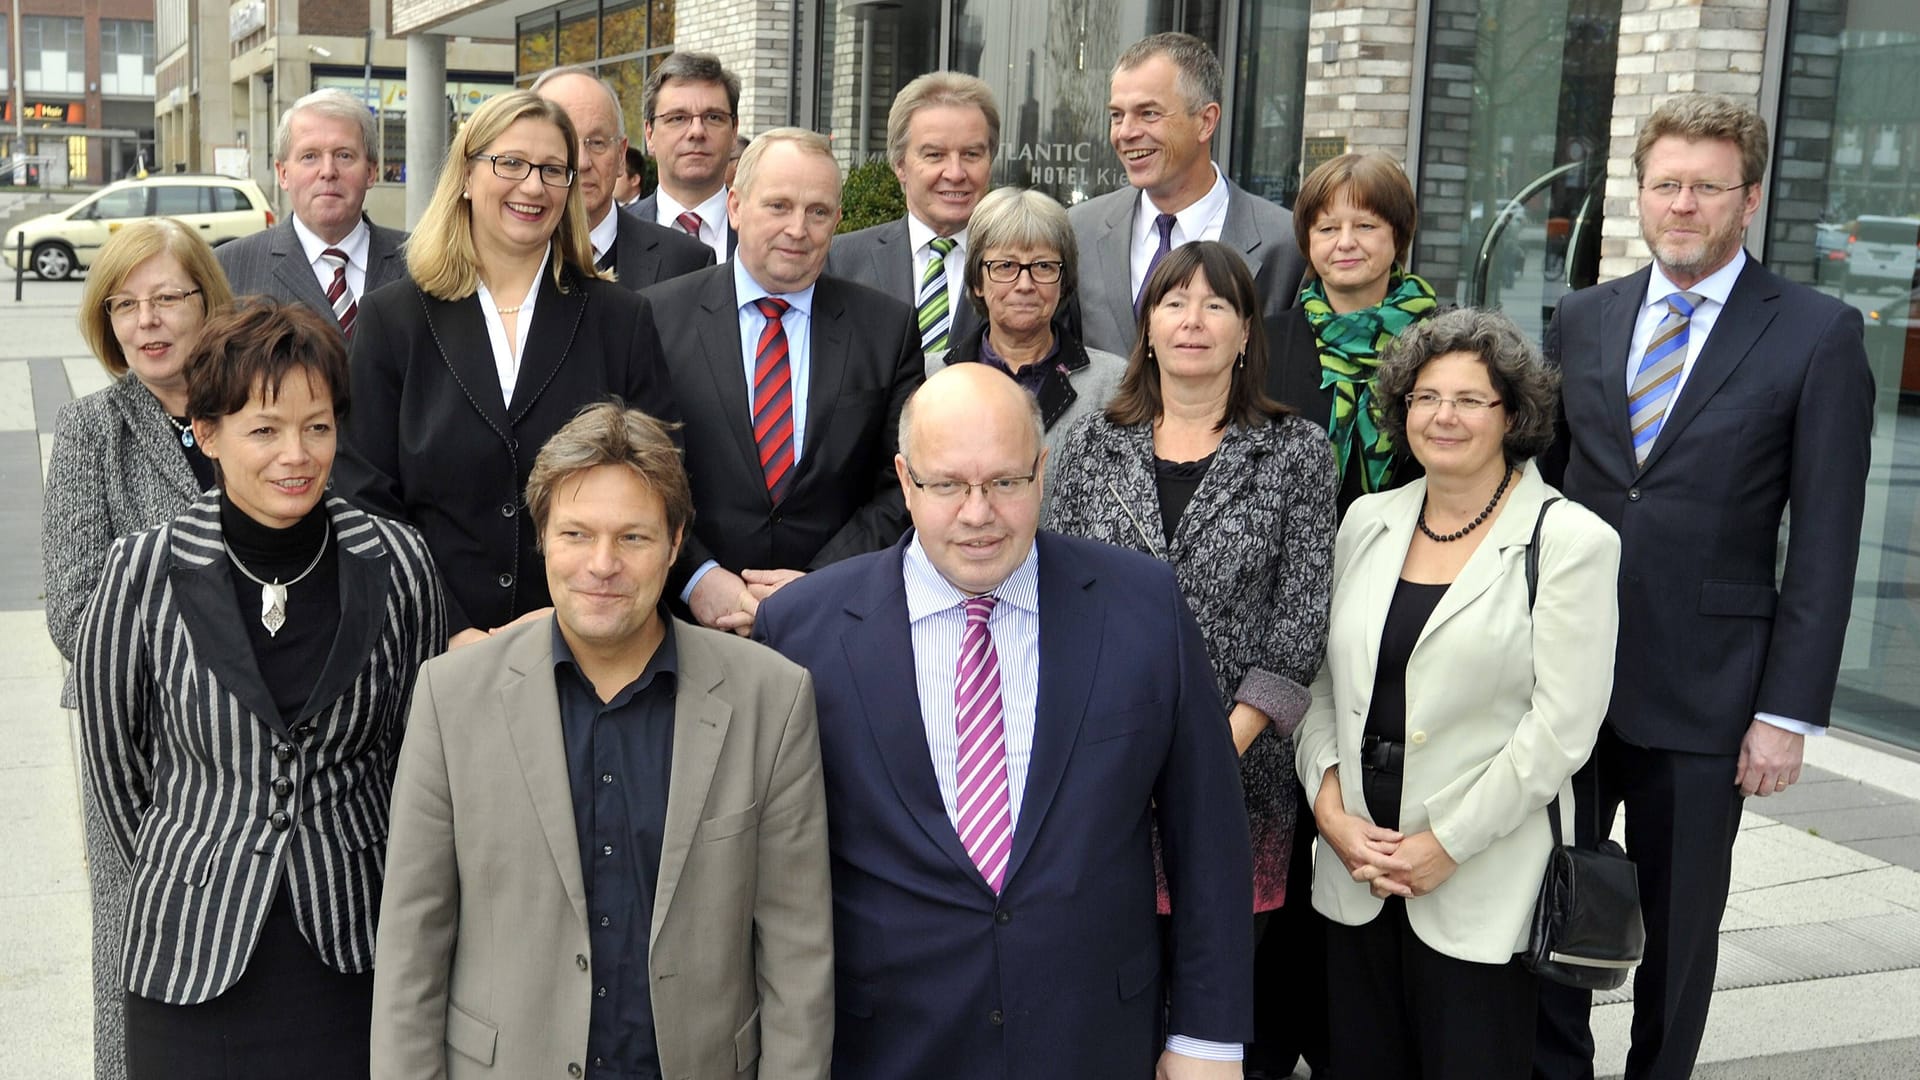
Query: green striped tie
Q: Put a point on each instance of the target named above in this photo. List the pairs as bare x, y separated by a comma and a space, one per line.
935, 316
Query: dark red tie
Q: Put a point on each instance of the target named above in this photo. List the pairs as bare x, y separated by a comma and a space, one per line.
341, 298
773, 399
690, 221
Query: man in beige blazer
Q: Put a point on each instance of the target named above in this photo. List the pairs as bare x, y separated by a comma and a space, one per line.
608, 853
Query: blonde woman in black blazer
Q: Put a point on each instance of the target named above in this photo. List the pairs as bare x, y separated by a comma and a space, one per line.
244, 672
502, 333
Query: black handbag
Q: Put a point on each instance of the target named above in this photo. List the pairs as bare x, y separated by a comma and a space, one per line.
1587, 931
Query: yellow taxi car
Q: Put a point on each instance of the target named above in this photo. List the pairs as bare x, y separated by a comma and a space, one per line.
58, 244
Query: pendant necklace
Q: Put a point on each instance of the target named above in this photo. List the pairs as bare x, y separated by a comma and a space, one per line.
273, 595
185, 430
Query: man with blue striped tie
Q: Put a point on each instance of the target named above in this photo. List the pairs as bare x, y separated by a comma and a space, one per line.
1703, 395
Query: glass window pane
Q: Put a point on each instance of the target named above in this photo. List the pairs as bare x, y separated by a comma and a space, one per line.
579, 35
1269, 88
623, 28
661, 34
867, 53
536, 46
1844, 217
629, 80
1513, 150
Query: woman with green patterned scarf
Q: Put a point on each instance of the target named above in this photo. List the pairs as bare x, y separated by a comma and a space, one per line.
1354, 219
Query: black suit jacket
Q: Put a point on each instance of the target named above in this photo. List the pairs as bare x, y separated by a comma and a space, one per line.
272, 263
843, 499
645, 254
1777, 410
881, 257
648, 210
429, 440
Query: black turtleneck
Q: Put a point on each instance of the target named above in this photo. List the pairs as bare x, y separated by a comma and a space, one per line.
289, 661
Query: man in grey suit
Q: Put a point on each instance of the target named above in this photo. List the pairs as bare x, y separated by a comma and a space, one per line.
326, 255
609, 839
941, 135
692, 108
1162, 113
639, 252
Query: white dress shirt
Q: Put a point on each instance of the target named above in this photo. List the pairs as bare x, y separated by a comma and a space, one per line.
354, 245
713, 218
604, 235
1713, 290
922, 236
506, 357
1201, 221
938, 621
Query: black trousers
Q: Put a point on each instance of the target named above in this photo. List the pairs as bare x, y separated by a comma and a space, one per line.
1399, 1010
1683, 814
290, 1017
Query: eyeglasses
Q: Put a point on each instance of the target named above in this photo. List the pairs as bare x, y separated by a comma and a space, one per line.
1428, 401
1006, 271
512, 168
596, 145
1705, 191
120, 305
678, 121
999, 489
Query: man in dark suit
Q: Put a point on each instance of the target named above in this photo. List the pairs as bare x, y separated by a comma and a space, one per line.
941, 135
1703, 395
692, 107
993, 862
790, 384
326, 255
639, 252
1164, 108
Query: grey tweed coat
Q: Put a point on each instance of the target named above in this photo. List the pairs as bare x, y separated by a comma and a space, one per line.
1254, 556
116, 469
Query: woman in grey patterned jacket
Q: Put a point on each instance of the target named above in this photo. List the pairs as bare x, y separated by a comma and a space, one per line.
1192, 463
123, 461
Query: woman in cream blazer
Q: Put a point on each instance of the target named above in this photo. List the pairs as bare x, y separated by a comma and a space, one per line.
1448, 715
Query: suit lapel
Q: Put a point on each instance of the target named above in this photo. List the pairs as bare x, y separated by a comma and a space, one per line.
461, 333
364, 581
1750, 309
1072, 627
893, 260
556, 322
531, 705
1113, 251
879, 653
700, 722
1226, 479
154, 437
291, 269
385, 261
1239, 230
1619, 313
634, 251
827, 359
1489, 562
1379, 551
211, 615
719, 329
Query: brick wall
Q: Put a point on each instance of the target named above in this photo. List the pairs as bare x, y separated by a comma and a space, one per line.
1360, 72
752, 38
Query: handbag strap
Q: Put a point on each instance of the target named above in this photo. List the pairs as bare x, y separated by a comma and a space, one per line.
1533, 593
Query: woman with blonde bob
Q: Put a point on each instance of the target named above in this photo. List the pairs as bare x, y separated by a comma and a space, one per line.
124, 460
503, 331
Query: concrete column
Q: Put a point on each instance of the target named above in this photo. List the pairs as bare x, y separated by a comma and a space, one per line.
426, 119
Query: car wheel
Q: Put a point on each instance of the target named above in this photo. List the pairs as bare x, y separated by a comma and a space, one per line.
53, 262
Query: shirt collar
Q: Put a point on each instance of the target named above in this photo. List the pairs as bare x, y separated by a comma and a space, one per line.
712, 212
1716, 286
920, 234
665, 659
746, 290
1194, 219
354, 243
929, 594
606, 233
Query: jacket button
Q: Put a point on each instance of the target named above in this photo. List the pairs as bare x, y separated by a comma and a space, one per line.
283, 751
1003, 917
1633, 494
282, 786
996, 1018
507, 509
280, 821
773, 518
1418, 738
505, 580
573, 1069
580, 960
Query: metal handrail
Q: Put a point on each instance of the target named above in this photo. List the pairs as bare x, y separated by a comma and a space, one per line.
1482, 262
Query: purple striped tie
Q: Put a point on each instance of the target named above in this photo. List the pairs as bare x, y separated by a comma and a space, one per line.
986, 812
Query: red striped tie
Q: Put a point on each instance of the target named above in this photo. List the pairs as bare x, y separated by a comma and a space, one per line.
689, 221
339, 297
773, 399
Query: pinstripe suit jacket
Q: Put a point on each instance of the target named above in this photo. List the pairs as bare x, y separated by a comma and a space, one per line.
272, 263
183, 744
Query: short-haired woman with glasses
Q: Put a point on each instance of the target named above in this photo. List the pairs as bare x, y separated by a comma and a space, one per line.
1454, 706
1193, 463
124, 459
1022, 264
504, 331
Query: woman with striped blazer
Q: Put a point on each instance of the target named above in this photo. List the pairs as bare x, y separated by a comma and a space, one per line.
244, 672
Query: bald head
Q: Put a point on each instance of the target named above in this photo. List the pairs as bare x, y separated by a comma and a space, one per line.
964, 394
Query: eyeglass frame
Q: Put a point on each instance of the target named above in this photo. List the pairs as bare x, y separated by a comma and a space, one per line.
107, 303
494, 161
1059, 270
967, 487
1427, 400
679, 121
1714, 189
